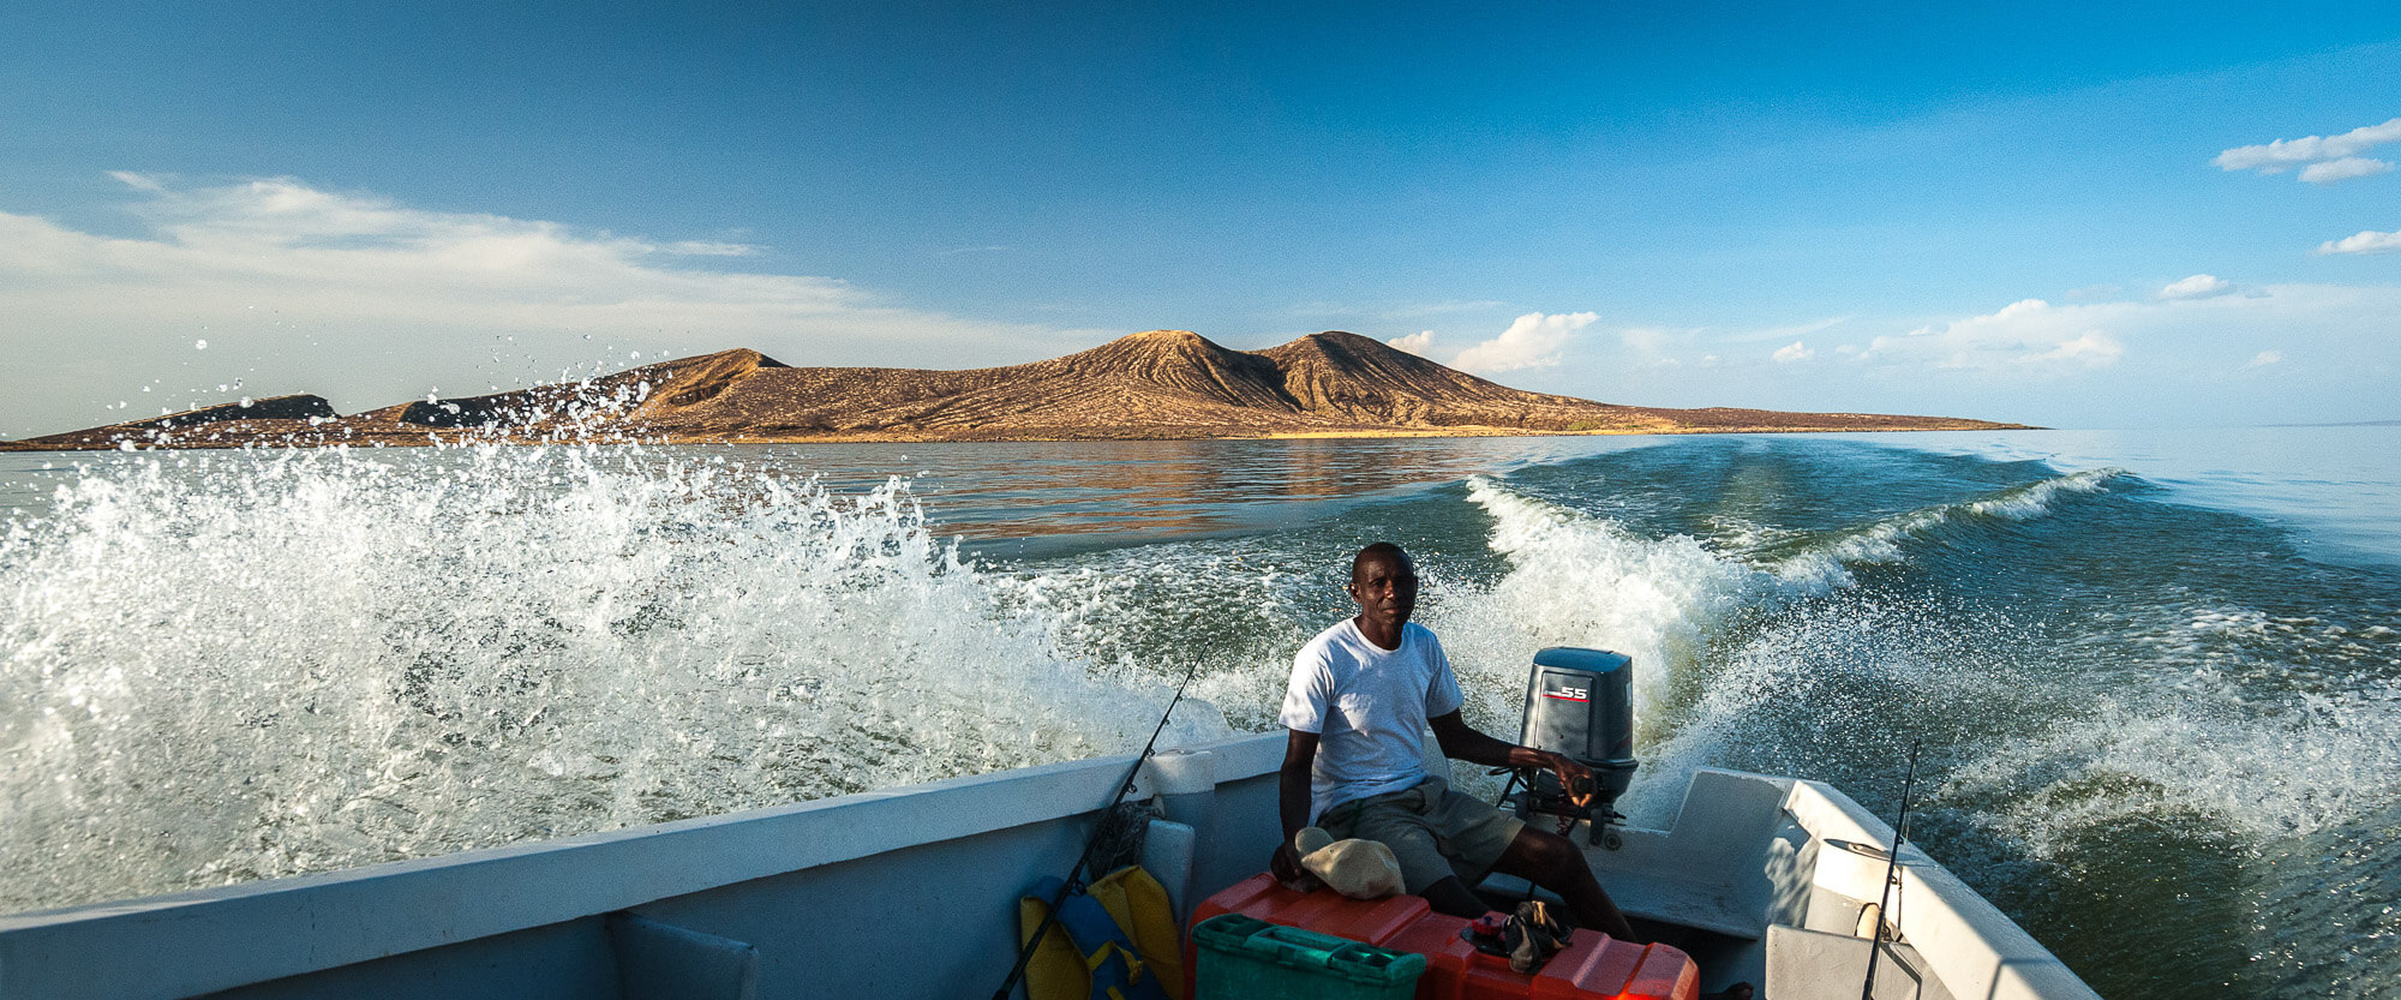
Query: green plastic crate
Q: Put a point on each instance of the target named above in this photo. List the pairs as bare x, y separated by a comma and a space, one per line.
1245, 958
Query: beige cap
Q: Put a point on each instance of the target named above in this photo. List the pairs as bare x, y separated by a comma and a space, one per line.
1360, 869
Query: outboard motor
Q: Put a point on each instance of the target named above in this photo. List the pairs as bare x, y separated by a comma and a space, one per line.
1580, 702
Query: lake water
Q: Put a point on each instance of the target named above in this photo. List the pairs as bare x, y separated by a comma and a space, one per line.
2157, 674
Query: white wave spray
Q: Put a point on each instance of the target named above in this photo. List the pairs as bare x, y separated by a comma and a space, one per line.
220, 667
1767, 644
1805, 556
1579, 580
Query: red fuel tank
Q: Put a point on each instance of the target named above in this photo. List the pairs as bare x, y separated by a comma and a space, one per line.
1595, 965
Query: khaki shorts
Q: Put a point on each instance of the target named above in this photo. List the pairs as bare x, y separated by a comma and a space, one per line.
1435, 833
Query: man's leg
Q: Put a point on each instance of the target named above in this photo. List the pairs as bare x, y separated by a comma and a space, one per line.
1552, 862
1452, 896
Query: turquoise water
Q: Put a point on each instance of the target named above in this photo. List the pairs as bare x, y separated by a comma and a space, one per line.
2157, 674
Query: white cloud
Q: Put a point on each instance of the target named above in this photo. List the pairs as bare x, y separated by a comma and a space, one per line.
1653, 340
2136, 360
2145, 342
138, 182
2334, 171
1793, 330
1533, 341
1415, 310
367, 301
702, 248
1392, 312
1416, 343
1662, 345
2370, 241
2283, 154
2028, 335
2199, 286
2094, 349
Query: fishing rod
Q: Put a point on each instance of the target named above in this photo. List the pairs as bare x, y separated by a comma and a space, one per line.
1075, 874
1892, 863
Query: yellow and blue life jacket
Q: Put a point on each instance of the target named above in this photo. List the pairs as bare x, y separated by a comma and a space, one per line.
1116, 940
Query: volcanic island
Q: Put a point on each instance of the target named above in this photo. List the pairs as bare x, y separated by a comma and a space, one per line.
1156, 385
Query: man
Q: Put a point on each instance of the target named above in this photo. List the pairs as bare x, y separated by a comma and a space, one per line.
1362, 695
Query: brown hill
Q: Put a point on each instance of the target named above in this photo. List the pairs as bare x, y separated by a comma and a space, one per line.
1357, 379
1158, 384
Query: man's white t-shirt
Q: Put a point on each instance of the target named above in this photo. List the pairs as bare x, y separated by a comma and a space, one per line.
1369, 707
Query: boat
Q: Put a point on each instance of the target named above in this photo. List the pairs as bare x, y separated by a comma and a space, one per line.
913, 892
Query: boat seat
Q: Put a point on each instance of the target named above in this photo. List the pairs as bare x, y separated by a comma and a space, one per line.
1594, 965
658, 961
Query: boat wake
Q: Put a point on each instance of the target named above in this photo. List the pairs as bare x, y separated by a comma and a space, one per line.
223, 666
1770, 655
1828, 555
1581, 580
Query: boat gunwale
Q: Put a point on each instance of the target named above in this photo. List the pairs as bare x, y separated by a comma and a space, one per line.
200, 941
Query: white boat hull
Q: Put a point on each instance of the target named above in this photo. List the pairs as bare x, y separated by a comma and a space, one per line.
912, 892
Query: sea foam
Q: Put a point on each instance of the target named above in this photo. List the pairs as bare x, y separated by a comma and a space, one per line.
219, 667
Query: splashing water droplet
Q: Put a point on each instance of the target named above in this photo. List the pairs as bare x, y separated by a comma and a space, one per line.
545, 604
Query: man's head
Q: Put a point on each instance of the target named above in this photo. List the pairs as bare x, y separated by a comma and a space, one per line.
1384, 582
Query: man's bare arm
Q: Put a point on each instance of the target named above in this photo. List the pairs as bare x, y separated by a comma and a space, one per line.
1292, 800
1461, 741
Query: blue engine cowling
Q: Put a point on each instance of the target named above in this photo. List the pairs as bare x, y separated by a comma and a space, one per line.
1580, 702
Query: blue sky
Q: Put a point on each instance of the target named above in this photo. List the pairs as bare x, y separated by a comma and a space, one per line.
2074, 215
